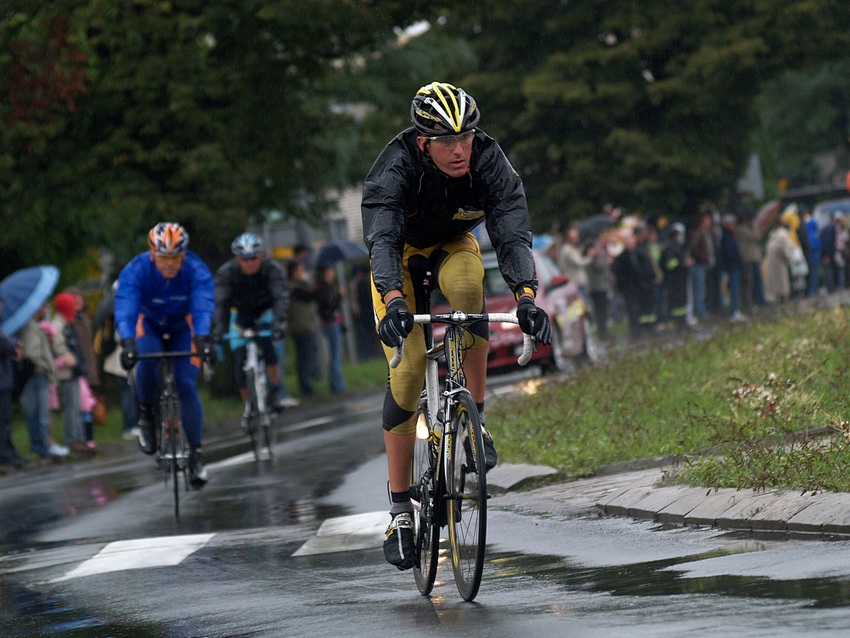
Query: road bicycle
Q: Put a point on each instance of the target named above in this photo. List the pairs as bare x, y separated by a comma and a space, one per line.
448, 484
260, 418
172, 450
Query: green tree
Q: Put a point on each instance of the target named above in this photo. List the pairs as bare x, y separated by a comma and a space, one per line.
647, 105
207, 113
805, 124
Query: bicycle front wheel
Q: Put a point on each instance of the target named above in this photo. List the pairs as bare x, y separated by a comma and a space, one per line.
466, 484
253, 425
170, 445
425, 493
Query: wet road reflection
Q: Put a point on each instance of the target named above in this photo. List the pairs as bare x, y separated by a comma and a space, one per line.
544, 576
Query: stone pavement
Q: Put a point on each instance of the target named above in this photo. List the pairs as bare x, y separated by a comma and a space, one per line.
636, 494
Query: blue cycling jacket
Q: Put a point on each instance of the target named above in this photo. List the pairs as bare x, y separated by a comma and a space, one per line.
167, 304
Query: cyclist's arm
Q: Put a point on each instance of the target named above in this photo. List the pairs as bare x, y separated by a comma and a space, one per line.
202, 295
279, 292
221, 291
507, 220
128, 296
383, 208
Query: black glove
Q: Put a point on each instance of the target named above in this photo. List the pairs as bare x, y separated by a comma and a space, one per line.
205, 348
129, 354
216, 338
533, 320
279, 331
396, 324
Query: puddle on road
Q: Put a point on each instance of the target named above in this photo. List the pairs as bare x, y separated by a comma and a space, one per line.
25, 613
656, 579
31, 511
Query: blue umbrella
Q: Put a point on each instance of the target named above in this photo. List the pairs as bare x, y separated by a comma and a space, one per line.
23, 293
335, 251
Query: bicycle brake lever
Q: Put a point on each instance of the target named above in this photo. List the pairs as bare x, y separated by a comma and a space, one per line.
399, 353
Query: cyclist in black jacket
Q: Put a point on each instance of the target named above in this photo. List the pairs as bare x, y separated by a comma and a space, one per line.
254, 289
431, 185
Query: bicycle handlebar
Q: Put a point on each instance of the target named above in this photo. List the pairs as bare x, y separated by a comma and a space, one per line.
463, 317
171, 354
249, 333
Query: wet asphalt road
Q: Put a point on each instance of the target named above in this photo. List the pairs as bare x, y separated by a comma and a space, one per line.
96, 552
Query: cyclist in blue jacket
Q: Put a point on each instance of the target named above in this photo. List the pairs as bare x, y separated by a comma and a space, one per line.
167, 290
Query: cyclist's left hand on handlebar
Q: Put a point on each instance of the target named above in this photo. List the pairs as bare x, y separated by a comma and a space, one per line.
205, 348
396, 324
533, 320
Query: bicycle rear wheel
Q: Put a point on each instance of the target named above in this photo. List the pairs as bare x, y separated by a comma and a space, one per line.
466, 484
425, 492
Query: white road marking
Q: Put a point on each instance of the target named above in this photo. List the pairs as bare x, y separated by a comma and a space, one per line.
139, 554
347, 533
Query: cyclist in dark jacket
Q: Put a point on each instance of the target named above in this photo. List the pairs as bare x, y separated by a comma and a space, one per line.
253, 290
431, 185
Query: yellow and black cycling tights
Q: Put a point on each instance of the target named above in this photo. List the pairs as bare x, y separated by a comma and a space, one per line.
460, 277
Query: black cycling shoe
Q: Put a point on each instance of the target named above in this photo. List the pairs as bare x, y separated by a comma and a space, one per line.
490, 456
245, 420
147, 439
197, 472
272, 400
400, 546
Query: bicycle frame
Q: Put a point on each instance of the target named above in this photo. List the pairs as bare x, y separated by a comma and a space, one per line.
172, 455
257, 386
450, 485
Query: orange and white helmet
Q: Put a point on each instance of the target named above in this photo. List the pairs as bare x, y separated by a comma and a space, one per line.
168, 239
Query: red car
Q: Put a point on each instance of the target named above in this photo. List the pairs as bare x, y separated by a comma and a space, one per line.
557, 295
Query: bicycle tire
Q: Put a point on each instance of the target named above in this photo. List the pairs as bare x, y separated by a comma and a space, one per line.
466, 484
269, 435
426, 491
169, 438
253, 430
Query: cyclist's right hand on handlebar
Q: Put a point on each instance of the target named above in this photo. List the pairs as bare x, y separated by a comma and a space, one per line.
396, 324
129, 354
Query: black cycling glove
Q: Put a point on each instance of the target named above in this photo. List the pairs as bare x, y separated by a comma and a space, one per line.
129, 354
533, 320
205, 348
396, 324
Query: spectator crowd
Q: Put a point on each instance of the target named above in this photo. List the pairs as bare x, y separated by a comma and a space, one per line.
661, 275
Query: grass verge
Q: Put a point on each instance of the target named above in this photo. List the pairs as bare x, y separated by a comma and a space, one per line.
750, 394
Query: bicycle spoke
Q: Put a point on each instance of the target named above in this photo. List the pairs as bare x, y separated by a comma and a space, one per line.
423, 488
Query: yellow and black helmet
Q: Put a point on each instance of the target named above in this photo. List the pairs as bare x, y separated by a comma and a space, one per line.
442, 109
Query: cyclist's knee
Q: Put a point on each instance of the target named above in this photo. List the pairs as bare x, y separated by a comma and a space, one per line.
397, 419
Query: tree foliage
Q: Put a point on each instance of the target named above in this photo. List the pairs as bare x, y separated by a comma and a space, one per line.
117, 115
805, 124
647, 105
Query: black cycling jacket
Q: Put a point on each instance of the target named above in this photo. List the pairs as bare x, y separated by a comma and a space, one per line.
249, 294
407, 200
